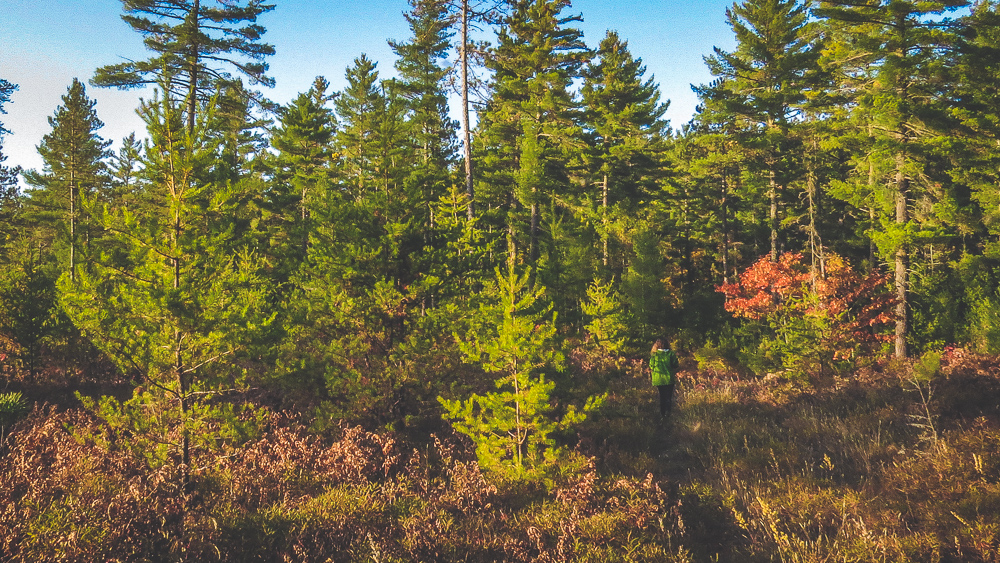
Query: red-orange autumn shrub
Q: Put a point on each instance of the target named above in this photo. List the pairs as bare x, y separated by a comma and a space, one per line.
765, 286
845, 312
863, 305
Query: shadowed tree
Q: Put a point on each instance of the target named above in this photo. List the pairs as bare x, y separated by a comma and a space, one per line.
421, 84
301, 170
8, 176
624, 126
530, 125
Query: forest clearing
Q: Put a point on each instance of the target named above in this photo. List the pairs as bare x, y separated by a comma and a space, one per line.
410, 319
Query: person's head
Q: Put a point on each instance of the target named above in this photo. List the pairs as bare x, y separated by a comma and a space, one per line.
657, 345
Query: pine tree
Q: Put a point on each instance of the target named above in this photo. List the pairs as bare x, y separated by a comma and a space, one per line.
355, 301
29, 311
898, 45
762, 83
513, 426
421, 83
176, 301
623, 121
977, 111
193, 41
530, 124
710, 161
375, 156
705, 222
468, 15
9, 200
125, 174
74, 170
6, 89
609, 320
27, 292
371, 140
301, 171
242, 133
464, 44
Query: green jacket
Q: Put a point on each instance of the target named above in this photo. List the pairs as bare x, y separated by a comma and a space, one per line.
663, 364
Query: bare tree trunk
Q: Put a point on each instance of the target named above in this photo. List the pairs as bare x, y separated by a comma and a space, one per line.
902, 258
73, 189
871, 210
182, 399
466, 133
773, 194
533, 240
725, 227
818, 262
604, 217
192, 101
182, 386
305, 217
511, 238
521, 433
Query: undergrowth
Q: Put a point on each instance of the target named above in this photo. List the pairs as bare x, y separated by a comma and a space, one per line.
746, 470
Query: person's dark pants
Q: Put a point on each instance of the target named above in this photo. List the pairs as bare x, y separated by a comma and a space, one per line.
666, 398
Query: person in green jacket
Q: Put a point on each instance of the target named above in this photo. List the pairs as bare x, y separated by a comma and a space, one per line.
663, 365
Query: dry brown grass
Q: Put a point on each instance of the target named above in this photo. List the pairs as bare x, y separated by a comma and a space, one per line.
748, 470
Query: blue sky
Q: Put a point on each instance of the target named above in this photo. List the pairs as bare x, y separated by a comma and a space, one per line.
44, 44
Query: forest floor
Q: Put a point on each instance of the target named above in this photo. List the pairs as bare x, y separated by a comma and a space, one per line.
882, 465
876, 466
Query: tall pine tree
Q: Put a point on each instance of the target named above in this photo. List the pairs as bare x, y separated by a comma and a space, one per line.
74, 169
625, 129
761, 84
421, 83
8, 176
195, 42
177, 301
301, 170
899, 88
530, 125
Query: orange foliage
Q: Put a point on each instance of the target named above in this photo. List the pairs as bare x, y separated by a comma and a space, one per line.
858, 308
862, 304
764, 286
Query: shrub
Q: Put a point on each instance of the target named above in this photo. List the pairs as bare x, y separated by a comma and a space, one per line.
816, 321
12, 408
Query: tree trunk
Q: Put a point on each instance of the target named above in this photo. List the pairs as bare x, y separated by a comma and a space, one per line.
604, 217
902, 258
192, 101
533, 237
72, 218
466, 133
871, 213
182, 399
725, 227
818, 263
511, 238
305, 218
773, 194
521, 433
182, 387
902, 204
